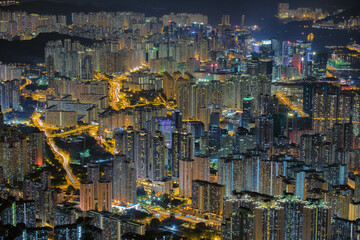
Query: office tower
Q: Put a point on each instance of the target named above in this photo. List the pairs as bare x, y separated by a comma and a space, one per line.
182, 147
296, 62
87, 196
240, 225
196, 128
317, 220
264, 132
248, 112
243, 21
36, 149
207, 197
203, 53
225, 20
124, 180
319, 63
269, 220
186, 176
176, 116
214, 141
104, 195
202, 168
157, 157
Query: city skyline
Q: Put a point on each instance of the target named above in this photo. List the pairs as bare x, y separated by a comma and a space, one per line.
146, 121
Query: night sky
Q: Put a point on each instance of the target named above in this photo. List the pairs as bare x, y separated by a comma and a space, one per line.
254, 10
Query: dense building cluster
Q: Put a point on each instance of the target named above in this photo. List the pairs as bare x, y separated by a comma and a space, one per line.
154, 126
300, 14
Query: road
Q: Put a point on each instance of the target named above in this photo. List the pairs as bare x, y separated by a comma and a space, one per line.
77, 129
61, 154
165, 214
28, 82
116, 84
286, 101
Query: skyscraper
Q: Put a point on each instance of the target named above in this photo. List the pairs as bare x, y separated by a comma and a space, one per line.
264, 132
230, 174
225, 20
317, 221
93, 175
124, 180
157, 157
201, 168
208, 197
87, 196
104, 195
248, 112
142, 143
50, 70
240, 225
269, 220
204, 46
182, 147
186, 176
36, 148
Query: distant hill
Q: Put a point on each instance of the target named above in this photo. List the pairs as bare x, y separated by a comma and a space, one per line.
32, 51
48, 7
346, 14
64, 8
